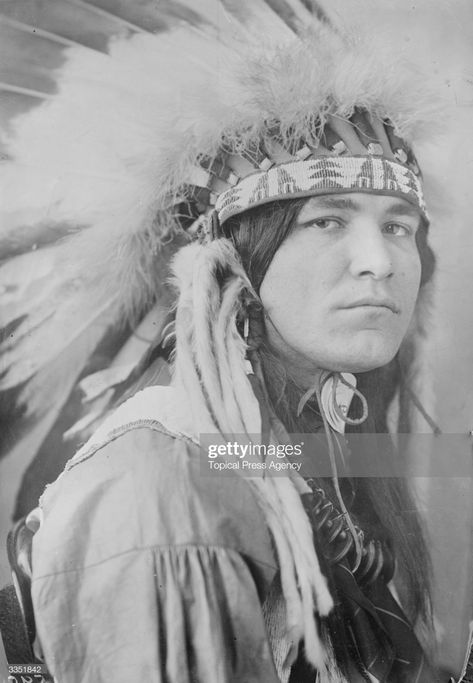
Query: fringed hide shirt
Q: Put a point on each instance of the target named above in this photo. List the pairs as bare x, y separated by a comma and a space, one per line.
145, 570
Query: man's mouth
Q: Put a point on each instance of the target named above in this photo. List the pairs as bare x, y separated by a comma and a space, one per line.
374, 302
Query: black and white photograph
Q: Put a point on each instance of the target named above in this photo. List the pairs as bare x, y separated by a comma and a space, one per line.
236, 341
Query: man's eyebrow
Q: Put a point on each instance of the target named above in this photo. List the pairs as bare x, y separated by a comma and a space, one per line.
332, 202
397, 208
403, 209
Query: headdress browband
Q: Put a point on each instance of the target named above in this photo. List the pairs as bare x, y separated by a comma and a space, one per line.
323, 175
360, 154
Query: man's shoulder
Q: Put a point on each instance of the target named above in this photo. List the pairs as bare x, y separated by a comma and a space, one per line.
146, 440
163, 409
143, 473
150, 431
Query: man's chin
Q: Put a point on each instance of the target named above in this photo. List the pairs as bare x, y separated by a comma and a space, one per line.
366, 366
375, 353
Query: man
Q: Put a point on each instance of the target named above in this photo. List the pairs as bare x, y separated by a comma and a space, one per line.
290, 167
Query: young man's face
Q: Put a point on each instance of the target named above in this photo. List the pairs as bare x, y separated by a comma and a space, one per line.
340, 291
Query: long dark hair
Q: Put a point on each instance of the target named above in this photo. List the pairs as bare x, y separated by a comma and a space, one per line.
257, 235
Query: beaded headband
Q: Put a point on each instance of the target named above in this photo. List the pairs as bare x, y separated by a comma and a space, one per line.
360, 154
321, 176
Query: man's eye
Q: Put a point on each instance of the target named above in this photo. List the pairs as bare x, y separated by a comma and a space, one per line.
325, 223
397, 229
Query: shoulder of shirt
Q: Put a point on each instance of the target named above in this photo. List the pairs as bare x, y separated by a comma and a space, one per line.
161, 408
143, 464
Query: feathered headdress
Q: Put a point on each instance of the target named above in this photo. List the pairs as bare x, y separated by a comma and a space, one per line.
125, 141
119, 136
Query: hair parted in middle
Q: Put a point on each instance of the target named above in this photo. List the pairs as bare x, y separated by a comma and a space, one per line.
218, 286
257, 235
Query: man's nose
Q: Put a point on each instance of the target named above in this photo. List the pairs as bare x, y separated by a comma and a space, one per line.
370, 252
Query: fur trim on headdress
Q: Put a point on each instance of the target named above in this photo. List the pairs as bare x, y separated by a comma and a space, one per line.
210, 367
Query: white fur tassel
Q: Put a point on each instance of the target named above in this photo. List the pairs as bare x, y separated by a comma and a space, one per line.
210, 365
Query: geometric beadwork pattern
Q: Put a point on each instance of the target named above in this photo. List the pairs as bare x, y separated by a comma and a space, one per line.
322, 175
